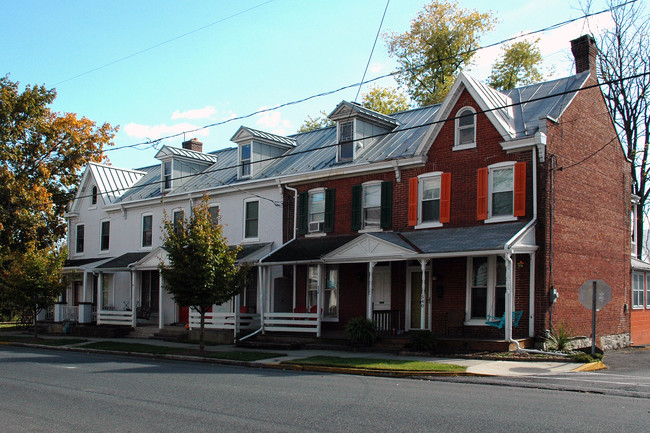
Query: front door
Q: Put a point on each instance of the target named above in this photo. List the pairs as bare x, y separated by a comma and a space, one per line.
381, 288
150, 288
418, 320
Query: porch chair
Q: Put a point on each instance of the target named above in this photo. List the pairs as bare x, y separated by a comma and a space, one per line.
499, 322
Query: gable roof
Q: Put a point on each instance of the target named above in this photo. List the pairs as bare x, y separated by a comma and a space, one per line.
244, 133
347, 109
169, 151
111, 182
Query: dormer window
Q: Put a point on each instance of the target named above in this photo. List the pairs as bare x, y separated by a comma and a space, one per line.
167, 175
245, 160
346, 143
465, 129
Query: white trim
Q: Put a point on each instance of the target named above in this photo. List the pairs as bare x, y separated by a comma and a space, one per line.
163, 163
365, 185
101, 232
457, 128
491, 285
338, 139
240, 160
256, 238
76, 239
321, 223
421, 179
142, 216
491, 169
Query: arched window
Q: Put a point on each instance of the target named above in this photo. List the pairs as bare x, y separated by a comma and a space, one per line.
465, 128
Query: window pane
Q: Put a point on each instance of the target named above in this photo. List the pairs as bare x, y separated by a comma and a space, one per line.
466, 118
431, 188
345, 132
480, 271
479, 301
147, 231
252, 212
430, 210
245, 152
214, 214
330, 301
466, 135
345, 151
106, 233
502, 180
80, 238
371, 195
502, 203
312, 286
317, 206
501, 271
371, 217
500, 301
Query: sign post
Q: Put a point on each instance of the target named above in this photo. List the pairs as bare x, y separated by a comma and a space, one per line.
594, 294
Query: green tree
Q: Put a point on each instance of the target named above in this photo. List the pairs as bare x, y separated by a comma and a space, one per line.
42, 152
319, 122
440, 43
385, 100
519, 65
31, 280
203, 270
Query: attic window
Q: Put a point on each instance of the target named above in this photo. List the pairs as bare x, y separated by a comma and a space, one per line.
167, 175
245, 160
93, 199
346, 143
465, 129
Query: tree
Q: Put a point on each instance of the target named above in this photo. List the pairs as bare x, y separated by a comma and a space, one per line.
519, 65
440, 43
625, 71
42, 152
32, 281
203, 270
319, 122
385, 100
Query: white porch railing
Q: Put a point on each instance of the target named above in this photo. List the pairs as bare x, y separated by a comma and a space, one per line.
291, 322
114, 317
221, 320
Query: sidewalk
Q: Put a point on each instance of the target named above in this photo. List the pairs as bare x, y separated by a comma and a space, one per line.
475, 367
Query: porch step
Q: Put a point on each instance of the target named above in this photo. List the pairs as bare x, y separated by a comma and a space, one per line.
173, 332
145, 331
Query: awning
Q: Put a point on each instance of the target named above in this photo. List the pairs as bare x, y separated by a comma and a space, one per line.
82, 265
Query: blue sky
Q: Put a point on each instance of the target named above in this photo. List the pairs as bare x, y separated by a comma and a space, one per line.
160, 67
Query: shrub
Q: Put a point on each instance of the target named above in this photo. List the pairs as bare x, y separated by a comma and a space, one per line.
586, 357
559, 339
423, 341
361, 331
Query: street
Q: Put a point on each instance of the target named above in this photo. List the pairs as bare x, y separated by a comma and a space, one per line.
46, 391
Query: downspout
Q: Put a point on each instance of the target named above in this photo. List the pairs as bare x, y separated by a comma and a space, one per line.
295, 233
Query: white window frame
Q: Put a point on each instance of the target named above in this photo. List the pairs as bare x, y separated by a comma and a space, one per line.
142, 245
457, 128
246, 164
491, 169
320, 223
245, 214
311, 286
635, 277
421, 178
325, 316
94, 196
76, 240
364, 226
101, 235
167, 177
491, 290
351, 142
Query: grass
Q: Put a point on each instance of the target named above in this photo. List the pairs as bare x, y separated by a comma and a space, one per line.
42, 341
8, 327
378, 364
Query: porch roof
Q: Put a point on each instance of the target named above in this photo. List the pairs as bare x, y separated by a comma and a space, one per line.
251, 252
122, 262
81, 264
397, 245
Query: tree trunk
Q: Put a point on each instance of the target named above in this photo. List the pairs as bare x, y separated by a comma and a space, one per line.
35, 311
201, 342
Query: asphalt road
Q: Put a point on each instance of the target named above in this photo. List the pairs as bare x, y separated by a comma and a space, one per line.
56, 391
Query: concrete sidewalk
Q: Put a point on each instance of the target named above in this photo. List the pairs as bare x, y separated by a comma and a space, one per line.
476, 367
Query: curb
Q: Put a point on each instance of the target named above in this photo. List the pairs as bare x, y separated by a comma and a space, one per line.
592, 366
369, 372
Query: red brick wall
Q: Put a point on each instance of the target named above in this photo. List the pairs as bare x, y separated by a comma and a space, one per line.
591, 215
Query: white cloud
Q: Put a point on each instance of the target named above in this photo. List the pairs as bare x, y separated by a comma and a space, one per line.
376, 67
153, 132
273, 122
199, 113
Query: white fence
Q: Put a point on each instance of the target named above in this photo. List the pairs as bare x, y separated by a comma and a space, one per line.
113, 317
292, 322
221, 320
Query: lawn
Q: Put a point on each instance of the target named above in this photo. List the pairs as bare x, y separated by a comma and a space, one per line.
378, 364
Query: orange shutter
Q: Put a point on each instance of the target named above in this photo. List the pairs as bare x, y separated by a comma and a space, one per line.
413, 201
482, 194
520, 190
445, 197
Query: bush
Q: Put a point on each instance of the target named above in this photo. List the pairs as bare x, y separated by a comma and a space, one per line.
559, 339
422, 341
586, 357
361, 331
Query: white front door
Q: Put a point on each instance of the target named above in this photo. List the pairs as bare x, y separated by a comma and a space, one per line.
381, 288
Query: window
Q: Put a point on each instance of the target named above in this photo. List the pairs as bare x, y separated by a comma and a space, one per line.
245, 160
147, 230
80, 238
501, 193
213, 211
638, 289
346, 143
633, 230
178, 218
312, 287
647, 291
167, 175
316, 211
105, 235
93, 199
371, 212
372, 205
465, 136
331, 293
430, 200
487, 286
251, 219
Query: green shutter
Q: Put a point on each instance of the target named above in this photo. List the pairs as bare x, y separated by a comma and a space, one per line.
386, 204
303, 212
328, 226
356, 207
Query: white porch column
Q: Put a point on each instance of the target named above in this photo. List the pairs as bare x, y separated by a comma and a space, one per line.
161, 320
100, 290
134, 317
423, 297
531, 297
371, 267
293, 307
237, 302
319, 298
84, 297
509, 296
260, 288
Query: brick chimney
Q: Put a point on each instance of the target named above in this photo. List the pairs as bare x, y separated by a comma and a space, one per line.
193, 144
585, 51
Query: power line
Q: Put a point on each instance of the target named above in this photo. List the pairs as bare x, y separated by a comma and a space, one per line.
340, 89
